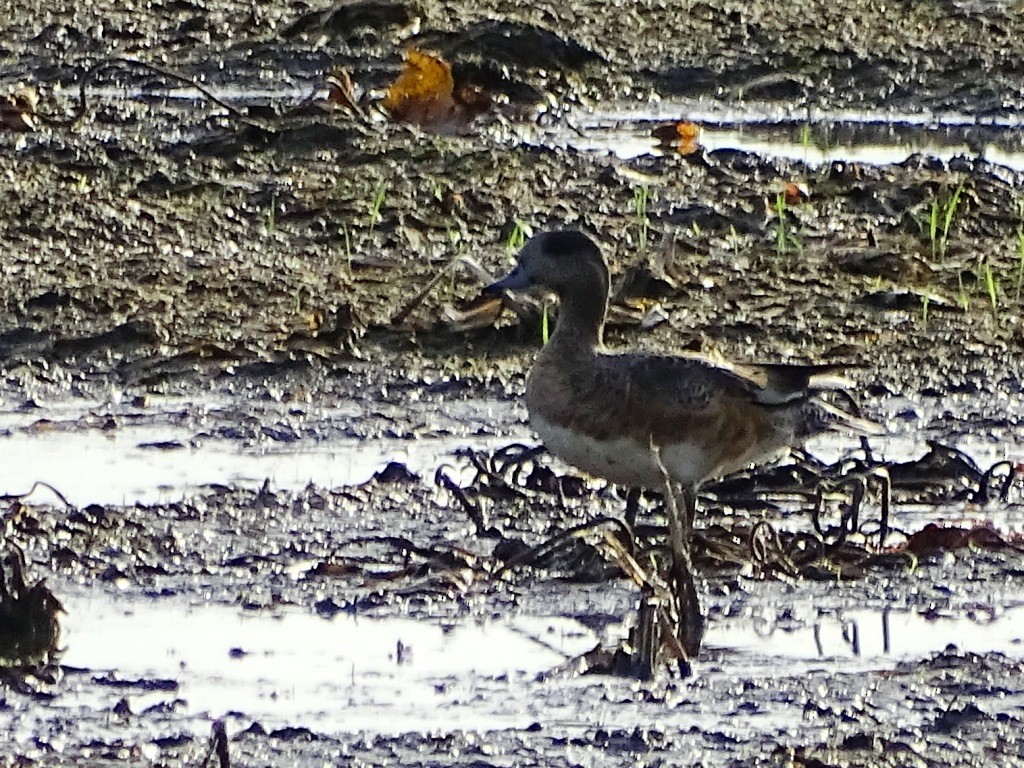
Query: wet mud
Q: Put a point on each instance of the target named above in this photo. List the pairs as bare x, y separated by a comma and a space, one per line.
288, 493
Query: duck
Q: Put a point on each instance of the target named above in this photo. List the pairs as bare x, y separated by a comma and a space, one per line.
649, 420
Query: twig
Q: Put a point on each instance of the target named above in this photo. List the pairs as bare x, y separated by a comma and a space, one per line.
400, 316
127, 61
885, 481
471, 509
218, 745
36, 484
534, 553
340, 81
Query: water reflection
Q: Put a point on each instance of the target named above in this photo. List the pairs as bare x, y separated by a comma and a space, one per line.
875, 635
815, 138
290, 665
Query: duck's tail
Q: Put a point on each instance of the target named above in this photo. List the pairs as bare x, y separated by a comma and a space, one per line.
819, 416
781, 383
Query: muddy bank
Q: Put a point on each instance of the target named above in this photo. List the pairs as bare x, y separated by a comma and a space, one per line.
903, 55
159, 238
221, 266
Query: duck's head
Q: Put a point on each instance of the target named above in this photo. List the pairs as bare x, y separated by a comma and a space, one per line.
563, 262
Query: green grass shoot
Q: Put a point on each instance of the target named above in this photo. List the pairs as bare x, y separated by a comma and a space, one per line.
949, 212
272, 214
780, 228
516, 238
734, 241
641, 199
378, 202
992, 286
805, 139
940, 221
964, 299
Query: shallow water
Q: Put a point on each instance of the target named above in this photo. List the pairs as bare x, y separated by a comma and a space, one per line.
806, 134
813, 137
159, 455
871, 637
129, 467
169, 451
287, 667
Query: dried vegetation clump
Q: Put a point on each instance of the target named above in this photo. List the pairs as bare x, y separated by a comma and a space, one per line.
29, 615
839, 525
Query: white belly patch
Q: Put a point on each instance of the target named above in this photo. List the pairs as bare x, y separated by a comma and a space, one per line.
623, 460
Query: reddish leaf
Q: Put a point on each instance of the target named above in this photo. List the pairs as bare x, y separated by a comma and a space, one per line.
935, 538
683, 137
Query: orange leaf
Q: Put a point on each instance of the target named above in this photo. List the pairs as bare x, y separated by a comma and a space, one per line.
683, 136
687, 130
423, 91
795, 192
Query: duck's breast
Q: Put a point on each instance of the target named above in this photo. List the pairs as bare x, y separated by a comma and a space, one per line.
618, 459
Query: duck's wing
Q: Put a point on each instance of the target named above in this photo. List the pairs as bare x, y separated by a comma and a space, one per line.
700, 407
781, 384
650, 391
692, 381
660, 395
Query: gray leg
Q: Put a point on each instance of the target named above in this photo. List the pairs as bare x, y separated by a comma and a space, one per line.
690, 626
691, 620
689, 494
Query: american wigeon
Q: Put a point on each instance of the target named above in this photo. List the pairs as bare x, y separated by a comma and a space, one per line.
640, 419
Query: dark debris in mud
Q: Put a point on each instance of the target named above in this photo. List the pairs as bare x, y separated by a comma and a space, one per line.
29, 617
850, 530
511, 516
